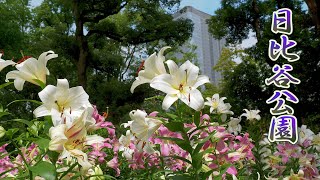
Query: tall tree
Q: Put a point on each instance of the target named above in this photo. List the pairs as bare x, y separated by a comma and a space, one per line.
98, 41
314, 9
150, 25
15, 19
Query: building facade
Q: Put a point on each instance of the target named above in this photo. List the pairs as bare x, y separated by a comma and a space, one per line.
208, 49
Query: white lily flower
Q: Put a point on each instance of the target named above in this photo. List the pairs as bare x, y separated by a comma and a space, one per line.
31, 70
125, 140
316, 141
300, 175
251, 114
128, 153
234, 177
96, 171
62, 103
234, 126
265, 140
5, 63
224, 109
305, 134
146, 146
128, 124
153, 67
181, 83
71, 141
218, 106
143, 128
214, 102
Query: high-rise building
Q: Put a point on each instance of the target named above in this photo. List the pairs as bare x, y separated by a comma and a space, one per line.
208, 49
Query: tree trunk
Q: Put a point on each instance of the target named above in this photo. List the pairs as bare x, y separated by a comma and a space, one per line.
82, 46
314, 9
256, 20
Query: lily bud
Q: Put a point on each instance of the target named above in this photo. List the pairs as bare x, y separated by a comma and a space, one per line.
2, 131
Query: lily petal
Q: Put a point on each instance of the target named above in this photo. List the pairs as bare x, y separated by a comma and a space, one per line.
172, 66
18, 84
41, 111
47, 95
138, 82
196, 100
202, 79
5, 63
192, 72
82, 158
57, 138
163, 83
168, 101
93, 139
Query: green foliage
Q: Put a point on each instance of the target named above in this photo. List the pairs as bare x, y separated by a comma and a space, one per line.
15, 17
45, 170
4, 85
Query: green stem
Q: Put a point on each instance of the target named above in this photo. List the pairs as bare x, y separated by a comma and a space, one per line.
24, 160
41, 158
66, 172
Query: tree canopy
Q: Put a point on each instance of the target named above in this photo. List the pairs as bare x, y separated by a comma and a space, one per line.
100, 43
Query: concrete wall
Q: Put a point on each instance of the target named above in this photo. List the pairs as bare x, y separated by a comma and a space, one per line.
208, 49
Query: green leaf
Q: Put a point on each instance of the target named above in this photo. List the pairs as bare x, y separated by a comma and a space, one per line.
181, 158
5, 84
69, 170
11, 132
1, 108
155, 97
198, 128
207, 174
209, 137
202, 142
197, 118
182, 177
223, 170
4, 114
7, 154
53, 156
25, 100
34, 129
181, 143
185, 146
40, 83
197, 158
47, 123
28, 123
197, 161
175, 126
173, 116
100, 177
43, 143
45, 170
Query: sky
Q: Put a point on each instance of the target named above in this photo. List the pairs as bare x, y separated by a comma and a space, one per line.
207, 6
